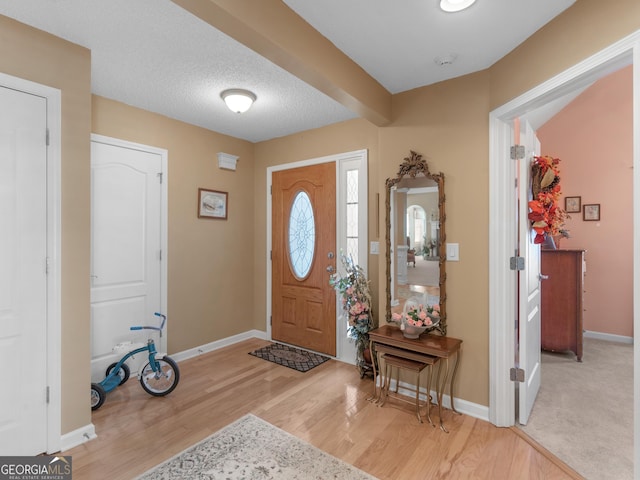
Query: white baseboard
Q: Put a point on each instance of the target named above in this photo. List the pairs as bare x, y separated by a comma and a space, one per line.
463, 406
77, 437
225, 342
609, 337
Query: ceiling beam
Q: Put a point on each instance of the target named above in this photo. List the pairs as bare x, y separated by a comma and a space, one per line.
273, 30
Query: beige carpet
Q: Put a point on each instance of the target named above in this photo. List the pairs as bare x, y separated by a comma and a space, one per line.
584, 411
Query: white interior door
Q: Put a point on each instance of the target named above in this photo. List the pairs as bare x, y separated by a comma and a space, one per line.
529, 283
23, 275
126, 247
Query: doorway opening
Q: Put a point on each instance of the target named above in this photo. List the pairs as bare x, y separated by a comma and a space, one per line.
503, 297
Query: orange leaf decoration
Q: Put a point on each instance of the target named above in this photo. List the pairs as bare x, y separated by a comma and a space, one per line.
545, 215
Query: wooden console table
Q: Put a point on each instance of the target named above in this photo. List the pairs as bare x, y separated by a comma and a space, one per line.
389, 339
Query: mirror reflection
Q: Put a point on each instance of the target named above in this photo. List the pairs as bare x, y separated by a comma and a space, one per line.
415, 238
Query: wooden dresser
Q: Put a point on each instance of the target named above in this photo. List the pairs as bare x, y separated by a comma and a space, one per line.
562, 294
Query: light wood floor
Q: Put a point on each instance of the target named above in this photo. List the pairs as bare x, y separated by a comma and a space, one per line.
326, 406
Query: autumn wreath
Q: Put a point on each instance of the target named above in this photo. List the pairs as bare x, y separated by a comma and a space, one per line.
546, 216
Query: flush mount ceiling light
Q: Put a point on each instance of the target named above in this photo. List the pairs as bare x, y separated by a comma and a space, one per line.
238, 100
455, 5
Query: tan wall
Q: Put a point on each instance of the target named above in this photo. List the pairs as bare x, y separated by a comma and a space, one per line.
36, 56
446, 122
581, 31
210, 269
593, 137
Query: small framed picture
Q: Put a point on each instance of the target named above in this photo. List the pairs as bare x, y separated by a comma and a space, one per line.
212, 204
591, 212
572, 204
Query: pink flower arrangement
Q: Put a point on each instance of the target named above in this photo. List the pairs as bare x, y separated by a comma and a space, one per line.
355, 297
419, 316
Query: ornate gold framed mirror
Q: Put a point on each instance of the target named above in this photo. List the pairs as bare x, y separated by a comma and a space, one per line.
415, 249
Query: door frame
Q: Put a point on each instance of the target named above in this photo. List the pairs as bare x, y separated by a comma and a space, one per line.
502, 281
345, 350
54, 241
164, 209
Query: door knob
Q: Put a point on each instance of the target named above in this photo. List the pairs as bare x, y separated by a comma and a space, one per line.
543, 277
330, 269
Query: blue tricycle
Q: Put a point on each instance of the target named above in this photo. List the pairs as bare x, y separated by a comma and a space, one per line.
159, 376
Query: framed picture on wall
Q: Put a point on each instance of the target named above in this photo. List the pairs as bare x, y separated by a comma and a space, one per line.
572, 204
212, 204
591, 212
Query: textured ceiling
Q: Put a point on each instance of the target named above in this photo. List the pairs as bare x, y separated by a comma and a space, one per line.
397, 42
154, 55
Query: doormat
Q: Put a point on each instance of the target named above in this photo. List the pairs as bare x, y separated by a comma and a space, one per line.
291, 357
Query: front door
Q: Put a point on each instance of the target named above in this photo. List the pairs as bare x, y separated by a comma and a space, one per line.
529, 283
126, 198
303, 257
23, 272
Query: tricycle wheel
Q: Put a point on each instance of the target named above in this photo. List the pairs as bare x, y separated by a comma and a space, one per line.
123, 373
98, 396
162, 382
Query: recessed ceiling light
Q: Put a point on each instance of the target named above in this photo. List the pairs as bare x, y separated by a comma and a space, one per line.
445, 59
455, 5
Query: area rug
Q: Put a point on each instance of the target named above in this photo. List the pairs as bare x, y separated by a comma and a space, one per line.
253, 449
291, 357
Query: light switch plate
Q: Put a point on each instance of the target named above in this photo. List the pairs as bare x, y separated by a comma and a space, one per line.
374, 248
453, 252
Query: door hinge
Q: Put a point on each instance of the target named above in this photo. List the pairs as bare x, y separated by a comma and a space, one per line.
516, 263
46, 266
516, 375
160, 176
270, 254
48, 393
270, 320
160, 255
270, 189
46, 137
517, 152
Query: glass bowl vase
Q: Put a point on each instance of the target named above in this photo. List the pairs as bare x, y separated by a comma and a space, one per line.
413, 331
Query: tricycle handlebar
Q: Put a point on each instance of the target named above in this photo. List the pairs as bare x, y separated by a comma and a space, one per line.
159, 329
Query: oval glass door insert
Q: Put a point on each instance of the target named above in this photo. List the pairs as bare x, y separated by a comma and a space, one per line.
302, 235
